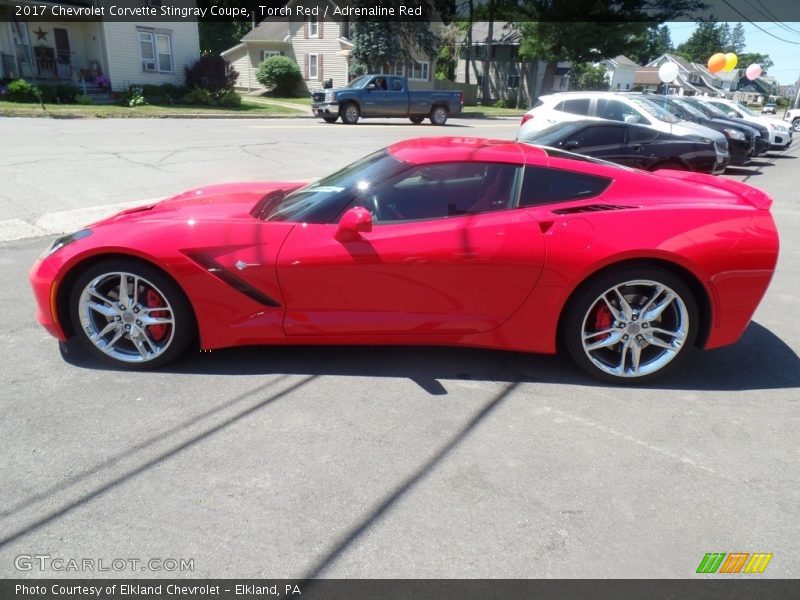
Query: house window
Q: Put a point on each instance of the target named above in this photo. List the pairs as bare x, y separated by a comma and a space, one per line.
479, 80
265, 54
399, 70
313, 27
418, 70
313, 66
156, 51
479, 52
345, 29
512, 82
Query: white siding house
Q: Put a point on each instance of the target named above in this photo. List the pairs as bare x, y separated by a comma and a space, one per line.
127, 53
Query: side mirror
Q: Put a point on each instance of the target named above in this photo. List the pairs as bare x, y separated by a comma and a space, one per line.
571, 144
632, 118
733, 114
371, 86
354, 222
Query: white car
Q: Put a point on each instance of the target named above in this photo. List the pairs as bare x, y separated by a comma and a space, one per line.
629, 108
780, 135
793, 116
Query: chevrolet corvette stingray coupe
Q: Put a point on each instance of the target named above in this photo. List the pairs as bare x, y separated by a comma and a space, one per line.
440, 241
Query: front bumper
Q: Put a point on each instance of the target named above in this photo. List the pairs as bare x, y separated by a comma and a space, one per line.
325, 109
43, 280
782, 140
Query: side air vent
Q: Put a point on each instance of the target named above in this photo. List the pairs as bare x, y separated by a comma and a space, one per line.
590, 208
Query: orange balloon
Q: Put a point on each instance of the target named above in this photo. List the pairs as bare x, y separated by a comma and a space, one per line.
717, 62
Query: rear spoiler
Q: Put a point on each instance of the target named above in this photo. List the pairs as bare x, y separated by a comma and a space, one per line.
748, 193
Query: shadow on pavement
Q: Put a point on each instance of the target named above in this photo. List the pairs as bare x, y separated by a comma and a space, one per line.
759, 361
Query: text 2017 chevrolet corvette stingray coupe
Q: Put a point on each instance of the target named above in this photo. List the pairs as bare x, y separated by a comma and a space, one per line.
443, 241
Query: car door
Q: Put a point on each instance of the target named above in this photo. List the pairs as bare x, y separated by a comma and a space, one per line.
447, 254
396, 98
642, 146
603, 140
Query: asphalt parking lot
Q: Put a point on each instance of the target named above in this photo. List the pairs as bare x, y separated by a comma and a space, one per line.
363, 462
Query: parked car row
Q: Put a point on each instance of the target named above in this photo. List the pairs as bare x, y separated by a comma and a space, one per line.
650, 131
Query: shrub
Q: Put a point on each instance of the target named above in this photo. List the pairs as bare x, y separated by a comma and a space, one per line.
47, 93
83, 99
230, 100
20, 90
67, 93
279, 73
507, 103
166, 93
198, 96
211, 73
133, 97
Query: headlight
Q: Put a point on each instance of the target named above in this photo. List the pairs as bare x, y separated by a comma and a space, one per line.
734, 134
778, 127
65, 240
330, 96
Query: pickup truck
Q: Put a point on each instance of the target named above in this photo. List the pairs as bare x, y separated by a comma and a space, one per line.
384, 96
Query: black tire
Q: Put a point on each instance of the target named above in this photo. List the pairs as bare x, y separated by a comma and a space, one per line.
330, 119
416, 119
438, 115
167, 339
621, 351
796, 124
350, 113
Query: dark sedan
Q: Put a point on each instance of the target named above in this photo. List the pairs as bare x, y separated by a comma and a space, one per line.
762, 141
741, 137
633, 145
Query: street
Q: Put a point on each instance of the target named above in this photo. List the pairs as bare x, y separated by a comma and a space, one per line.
372, 462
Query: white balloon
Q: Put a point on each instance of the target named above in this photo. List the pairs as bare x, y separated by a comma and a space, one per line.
668, 72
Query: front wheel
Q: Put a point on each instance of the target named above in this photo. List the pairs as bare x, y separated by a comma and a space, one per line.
350, 114
438, 115
631, 325
796, 124
130, 314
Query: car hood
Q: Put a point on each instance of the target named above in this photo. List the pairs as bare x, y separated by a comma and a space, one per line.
214, 202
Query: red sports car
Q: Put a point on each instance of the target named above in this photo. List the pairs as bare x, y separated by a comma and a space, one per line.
443, 241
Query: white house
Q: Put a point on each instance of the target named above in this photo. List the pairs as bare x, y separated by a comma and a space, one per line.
321, 48
620, 72
72, 50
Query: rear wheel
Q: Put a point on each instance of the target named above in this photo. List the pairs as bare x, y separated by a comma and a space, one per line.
631, 324
416, 119
438, 115
796, 124
130, 314
350, 114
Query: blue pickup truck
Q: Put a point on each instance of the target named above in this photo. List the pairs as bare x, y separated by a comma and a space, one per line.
385, 96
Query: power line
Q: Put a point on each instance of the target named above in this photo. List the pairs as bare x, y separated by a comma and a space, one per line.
757, 26
771, 17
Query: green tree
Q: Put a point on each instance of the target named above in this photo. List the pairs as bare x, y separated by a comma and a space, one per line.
583, 76
609, 29
706, 40
217, 36
379, 43
654, 42
737, 44
754, 58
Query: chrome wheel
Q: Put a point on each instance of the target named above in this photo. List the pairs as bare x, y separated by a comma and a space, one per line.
351, 114
126, 317
796, 124
635, 328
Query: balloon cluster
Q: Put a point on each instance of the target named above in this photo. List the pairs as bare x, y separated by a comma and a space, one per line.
727, 62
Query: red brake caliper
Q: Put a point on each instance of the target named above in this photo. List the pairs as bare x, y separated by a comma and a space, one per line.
151, 300
602, 318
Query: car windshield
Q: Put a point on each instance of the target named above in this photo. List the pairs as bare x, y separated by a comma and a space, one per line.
747, 111
359, 82
655, 110
689, 108
708, 109
323, 200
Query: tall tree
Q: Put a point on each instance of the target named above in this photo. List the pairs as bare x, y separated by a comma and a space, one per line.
609, 29
737, 44
705, 40
754, 58
379, 43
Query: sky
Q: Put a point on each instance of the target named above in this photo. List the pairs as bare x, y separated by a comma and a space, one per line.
784, 53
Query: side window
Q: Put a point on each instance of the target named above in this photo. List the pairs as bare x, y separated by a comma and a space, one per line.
615, 110
578, 106
439, 191
599, 136
541, 185
397, 85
